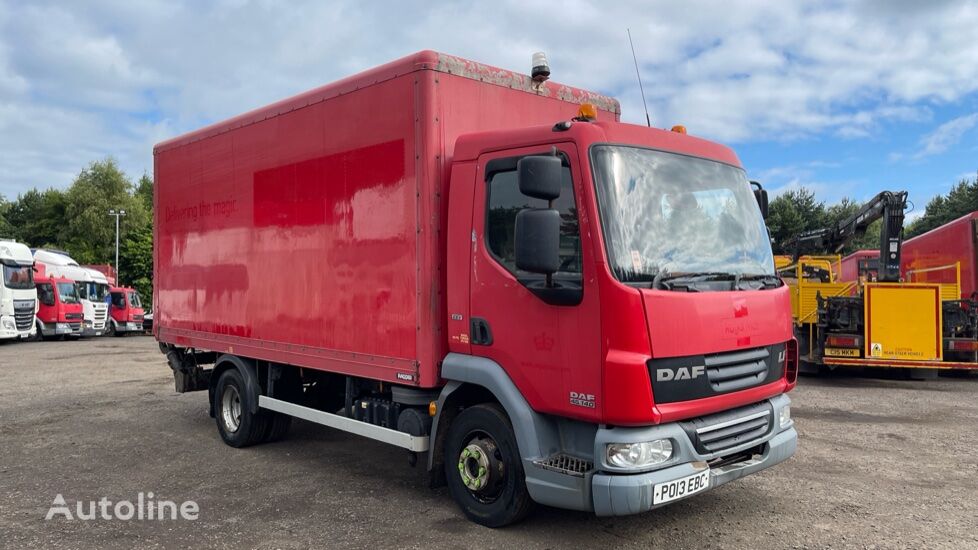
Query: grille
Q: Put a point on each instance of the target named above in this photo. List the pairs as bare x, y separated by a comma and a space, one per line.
717, 432
137, 318
24, 314
75, 327
100, 315
736, 371
566, 465
73, 316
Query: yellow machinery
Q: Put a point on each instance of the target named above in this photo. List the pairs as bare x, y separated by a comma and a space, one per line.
879, 320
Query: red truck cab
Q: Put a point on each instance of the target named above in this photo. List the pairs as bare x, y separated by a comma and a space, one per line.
125, 311
489, 270
59, 308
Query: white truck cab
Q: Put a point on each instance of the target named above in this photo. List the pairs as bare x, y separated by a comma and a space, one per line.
93, 288
18, 296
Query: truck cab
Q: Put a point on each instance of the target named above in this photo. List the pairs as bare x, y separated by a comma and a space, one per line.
60, 311
125, 311
18, 297
93, 288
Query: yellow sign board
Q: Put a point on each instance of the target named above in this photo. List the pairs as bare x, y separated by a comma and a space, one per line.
903, 321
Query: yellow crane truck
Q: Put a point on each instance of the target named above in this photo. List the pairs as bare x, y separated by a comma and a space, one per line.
877, 320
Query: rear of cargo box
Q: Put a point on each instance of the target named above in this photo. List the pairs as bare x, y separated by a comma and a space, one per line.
310, 232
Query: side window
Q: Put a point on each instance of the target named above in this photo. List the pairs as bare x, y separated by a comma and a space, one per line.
505, 201
45, 294
119, 300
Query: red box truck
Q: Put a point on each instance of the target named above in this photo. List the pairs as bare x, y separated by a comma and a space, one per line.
946, 254
489, 270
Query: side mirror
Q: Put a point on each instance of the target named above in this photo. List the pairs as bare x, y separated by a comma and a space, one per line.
537, 240
539, 177
760, 194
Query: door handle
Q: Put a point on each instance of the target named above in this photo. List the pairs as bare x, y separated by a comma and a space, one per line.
481, 335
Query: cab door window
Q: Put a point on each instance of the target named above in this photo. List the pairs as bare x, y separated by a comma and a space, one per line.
505, 201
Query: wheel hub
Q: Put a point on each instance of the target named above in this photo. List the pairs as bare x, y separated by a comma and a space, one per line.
231, 409
479, 468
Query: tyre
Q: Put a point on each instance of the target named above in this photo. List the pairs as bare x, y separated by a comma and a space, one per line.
238, 427
483, 467
278, 426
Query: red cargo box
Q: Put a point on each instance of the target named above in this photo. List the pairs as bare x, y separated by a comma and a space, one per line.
951, 243
309, 232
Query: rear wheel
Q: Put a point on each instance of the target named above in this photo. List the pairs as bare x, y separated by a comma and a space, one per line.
483, 467
237, 425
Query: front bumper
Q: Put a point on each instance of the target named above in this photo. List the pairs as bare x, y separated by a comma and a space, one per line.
89, 329
609, 491
619, 495
131, 326
8, 328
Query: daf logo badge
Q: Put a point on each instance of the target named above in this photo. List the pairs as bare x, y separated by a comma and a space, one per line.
682, 373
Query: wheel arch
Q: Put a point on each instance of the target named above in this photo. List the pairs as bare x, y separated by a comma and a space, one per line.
249, 372
474, 380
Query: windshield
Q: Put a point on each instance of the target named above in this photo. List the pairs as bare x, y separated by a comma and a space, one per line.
671, 214
18, 276
96, 292
134, 299
68, 293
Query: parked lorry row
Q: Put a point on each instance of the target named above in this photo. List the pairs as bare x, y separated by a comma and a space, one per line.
46, 294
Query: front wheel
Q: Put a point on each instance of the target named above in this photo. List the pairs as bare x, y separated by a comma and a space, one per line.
483, 467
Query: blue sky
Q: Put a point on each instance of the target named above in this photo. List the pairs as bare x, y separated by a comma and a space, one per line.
844, 98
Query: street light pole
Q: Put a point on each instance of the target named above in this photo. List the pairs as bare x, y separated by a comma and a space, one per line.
117, 214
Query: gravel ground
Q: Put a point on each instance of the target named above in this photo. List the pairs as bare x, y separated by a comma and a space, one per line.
881, 463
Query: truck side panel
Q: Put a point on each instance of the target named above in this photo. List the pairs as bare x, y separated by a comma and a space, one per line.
297, 236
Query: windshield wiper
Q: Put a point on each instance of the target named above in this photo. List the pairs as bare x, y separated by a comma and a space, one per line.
766, 278
663, 278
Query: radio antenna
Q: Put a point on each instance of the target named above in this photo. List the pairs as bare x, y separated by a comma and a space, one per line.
648, 120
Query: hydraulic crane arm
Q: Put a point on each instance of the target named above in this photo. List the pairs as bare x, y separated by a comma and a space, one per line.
889, 207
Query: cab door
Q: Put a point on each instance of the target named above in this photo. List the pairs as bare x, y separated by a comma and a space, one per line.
551, 352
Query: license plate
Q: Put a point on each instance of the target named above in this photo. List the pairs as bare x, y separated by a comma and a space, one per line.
679, 488
841, 352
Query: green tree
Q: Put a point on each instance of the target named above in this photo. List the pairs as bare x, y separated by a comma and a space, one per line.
38, 217
136, 261
961, 200
6, 228
89, 230
792, 213
144, 192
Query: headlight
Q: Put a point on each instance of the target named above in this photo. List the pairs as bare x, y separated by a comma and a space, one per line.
639, 455
8, 324
785, 416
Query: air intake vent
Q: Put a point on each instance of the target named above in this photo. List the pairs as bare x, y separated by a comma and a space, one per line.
717, 432
736, 371
566, 465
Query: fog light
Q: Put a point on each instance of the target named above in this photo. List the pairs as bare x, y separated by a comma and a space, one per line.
639, 455
785, 416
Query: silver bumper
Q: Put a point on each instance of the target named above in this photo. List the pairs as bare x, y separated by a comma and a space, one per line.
615, 494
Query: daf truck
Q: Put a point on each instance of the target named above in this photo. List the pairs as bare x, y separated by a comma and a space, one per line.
93, 288
18, 297
542, 304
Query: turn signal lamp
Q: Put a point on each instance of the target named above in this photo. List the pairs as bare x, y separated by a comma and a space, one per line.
587, 111
679, 129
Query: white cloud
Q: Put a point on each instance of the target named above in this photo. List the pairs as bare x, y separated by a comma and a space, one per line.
82, 80
946, 135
